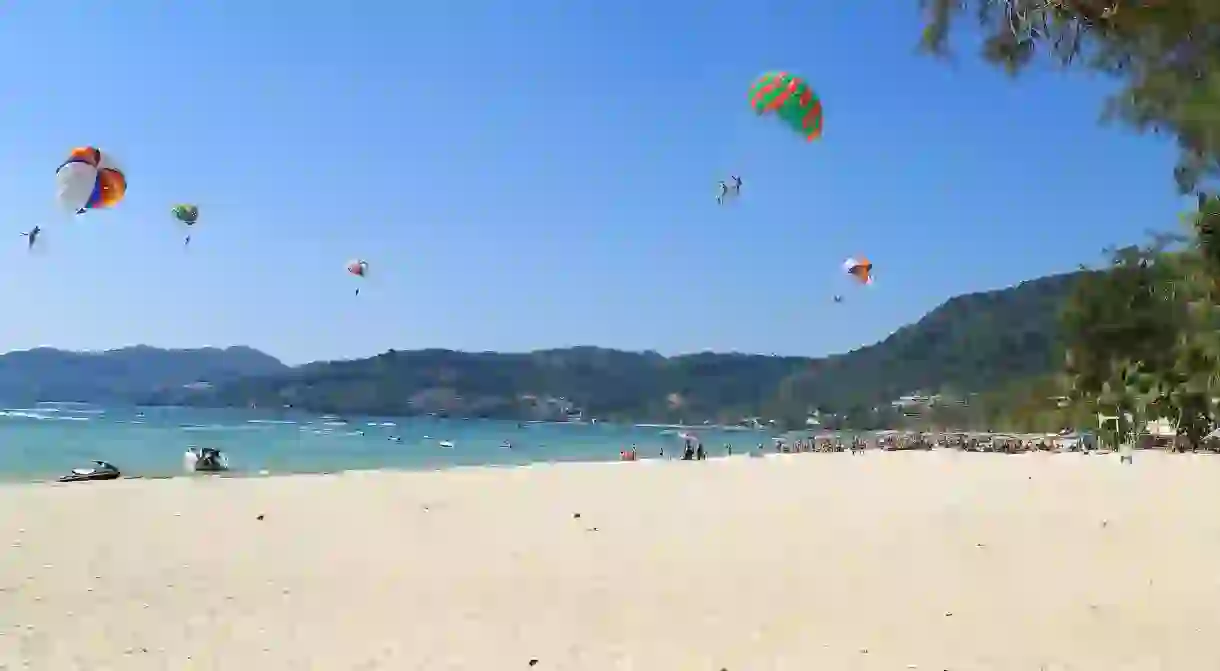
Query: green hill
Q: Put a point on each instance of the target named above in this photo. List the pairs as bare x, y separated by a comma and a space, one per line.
122, 375
971, 343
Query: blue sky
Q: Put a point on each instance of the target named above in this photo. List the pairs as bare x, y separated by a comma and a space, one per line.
534, 174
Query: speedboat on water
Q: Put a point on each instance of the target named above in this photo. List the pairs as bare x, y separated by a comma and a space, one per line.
447, 444
101, 471
205, 460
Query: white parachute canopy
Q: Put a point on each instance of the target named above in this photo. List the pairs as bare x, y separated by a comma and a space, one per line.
74, 183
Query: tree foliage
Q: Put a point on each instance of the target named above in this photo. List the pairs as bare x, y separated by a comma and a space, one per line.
1165, 53
1140, 339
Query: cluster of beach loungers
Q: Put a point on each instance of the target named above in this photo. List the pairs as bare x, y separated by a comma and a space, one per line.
1005, 443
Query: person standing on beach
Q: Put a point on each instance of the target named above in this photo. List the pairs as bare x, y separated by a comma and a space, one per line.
1126, 453
700, 455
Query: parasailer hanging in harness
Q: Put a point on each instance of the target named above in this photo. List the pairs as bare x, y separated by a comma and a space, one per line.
727, 190
32, 236
187, 216
859, 270
359, 268
791, 100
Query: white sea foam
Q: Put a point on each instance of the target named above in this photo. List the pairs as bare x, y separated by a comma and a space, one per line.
220, 427
27, 413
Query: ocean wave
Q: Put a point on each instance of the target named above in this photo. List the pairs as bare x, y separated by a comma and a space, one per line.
219, 427
24, 414
41, 416
74, 407
40, 410
333, 433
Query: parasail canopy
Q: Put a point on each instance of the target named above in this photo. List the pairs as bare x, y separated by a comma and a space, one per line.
790, 99
861, 269
89, 179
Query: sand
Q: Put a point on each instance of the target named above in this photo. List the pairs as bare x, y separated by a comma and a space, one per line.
937, 560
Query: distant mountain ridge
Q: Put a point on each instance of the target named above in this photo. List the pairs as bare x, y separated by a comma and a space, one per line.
970, 343
123, 375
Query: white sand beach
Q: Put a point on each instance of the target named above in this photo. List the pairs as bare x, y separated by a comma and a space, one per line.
818, 561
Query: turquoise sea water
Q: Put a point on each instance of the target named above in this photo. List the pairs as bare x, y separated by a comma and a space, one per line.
49, 439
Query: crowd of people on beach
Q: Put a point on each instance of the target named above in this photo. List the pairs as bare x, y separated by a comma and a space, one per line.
694, 450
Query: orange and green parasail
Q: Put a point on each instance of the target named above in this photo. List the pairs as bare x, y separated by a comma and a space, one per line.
188, 215
791, 99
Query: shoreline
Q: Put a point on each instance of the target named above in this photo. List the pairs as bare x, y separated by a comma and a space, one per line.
239, 474
8, 479
46, 450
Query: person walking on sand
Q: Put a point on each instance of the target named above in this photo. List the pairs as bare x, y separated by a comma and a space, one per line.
1126, 453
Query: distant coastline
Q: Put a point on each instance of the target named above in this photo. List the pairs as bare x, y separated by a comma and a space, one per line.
981, 343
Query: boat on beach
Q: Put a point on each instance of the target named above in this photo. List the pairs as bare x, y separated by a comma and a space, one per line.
205, 460
100, 471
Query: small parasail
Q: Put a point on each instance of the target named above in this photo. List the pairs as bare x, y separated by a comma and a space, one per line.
860, 269
89, 180
187, 215
791, 99
359, 268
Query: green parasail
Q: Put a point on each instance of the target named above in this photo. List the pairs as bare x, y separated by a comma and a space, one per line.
186, 214
791, 99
